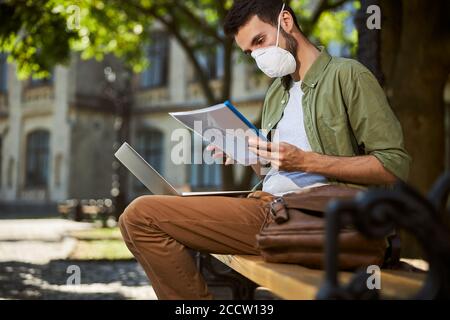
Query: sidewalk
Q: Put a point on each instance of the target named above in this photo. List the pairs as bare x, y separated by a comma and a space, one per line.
37, 241
33, 265
34, 262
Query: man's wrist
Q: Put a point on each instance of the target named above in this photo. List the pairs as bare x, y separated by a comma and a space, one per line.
311, 162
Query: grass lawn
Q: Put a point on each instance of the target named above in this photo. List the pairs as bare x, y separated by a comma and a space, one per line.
100, 244
97, 234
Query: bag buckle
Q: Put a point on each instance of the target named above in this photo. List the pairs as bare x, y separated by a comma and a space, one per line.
278, 210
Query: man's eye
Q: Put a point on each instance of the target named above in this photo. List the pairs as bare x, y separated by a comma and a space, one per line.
260, 40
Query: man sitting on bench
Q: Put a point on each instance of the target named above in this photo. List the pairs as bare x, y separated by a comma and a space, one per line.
334, 125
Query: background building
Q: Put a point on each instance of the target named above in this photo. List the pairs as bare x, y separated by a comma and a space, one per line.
57, 135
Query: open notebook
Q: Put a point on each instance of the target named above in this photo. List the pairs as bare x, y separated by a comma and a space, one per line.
224, 126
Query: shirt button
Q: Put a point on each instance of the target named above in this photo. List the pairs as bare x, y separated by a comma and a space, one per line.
283, 101
270, 124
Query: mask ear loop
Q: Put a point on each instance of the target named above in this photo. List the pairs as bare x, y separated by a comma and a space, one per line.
279, 23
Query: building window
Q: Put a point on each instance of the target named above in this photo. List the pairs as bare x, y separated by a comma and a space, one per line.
211, 63
37, 157
203, 174
156, 74
58, 165
3, 74
150, 146
10, 171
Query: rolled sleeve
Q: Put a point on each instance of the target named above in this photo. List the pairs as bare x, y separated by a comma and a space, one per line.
375, 125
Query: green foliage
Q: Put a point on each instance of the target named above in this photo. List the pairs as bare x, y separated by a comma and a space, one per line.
108, 27
329, 27
40, 34
27, 33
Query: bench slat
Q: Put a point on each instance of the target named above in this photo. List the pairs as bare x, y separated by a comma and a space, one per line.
295, 282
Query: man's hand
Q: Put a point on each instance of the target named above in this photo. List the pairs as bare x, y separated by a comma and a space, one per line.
366, 169
282, 156
219, 154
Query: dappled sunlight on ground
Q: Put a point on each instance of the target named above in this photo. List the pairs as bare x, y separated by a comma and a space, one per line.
99, 280
34, 262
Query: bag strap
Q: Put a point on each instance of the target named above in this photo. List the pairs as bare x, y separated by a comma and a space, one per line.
317, 199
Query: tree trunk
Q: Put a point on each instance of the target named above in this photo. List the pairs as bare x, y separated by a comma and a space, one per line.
413, 57
228, 181
368, 41
125, 105
409, 57
413, 60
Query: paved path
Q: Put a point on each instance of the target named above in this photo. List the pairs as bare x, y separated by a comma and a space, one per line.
33, 265
98, 281
38, 229
37, 241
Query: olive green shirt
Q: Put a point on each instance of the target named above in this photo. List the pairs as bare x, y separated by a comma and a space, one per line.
346, 113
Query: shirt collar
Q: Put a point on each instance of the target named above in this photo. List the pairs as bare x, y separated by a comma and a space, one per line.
315, 71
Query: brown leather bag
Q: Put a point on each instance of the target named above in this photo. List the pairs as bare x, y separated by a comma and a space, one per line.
294, 231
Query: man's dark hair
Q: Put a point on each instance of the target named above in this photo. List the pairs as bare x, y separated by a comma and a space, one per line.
243, 10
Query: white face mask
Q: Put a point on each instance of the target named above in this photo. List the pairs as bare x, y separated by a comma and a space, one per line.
274, 61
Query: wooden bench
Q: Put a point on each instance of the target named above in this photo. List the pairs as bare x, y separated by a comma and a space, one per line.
375, 213
295, 282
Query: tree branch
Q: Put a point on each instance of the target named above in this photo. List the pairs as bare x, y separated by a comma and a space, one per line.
196, 21
203, 78
228, 69
222, 11
325, 5
172, 27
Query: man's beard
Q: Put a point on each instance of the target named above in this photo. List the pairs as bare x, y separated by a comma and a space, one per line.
292, 47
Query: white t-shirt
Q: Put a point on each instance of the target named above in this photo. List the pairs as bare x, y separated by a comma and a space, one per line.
291, 129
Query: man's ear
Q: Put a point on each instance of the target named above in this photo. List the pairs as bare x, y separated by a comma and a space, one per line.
287, 22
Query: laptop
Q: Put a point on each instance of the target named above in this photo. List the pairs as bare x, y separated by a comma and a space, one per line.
156, 183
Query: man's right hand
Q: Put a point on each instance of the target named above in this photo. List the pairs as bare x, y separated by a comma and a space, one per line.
219, 154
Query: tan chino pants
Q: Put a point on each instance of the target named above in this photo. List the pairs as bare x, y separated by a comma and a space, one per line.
157, 230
